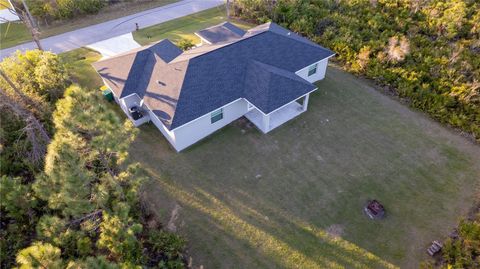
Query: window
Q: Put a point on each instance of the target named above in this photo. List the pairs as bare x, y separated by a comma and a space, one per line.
312, 70
216, 115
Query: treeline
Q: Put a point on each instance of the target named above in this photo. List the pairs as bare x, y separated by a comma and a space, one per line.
68, 196
427, 52
462, 249
47, 11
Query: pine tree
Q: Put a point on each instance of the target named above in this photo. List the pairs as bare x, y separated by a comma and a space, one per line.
66, 183
91, 141
17, 199
40, 255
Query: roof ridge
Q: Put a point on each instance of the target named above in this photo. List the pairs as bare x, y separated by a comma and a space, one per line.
136, 50
221, 46
288, 74
243, 38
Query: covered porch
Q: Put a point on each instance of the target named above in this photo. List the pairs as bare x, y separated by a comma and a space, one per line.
268, 122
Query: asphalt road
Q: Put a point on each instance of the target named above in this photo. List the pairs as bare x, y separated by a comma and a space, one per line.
95, 33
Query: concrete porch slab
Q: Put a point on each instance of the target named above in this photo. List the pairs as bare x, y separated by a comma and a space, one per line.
288, 112
277, 118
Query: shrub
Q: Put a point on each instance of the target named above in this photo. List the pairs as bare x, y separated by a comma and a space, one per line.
185, 44
90, 6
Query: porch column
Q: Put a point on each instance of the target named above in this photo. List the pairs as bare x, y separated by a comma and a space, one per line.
266, 123
305, 102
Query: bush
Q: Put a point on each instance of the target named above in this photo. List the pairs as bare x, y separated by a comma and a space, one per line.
64, 9
185, 44
90, 6
166, 247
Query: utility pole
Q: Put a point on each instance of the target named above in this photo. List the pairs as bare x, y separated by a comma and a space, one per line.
228, 10
34, 23
30, 23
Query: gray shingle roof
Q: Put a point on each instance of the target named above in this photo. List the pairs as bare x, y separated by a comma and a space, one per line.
260, 66
224, 32
130, 72
268, 87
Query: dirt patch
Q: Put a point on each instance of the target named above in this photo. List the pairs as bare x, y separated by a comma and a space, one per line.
171, 226
243, 124
335, 230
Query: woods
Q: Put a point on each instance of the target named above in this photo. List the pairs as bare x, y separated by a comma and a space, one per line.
426, 52
76, 203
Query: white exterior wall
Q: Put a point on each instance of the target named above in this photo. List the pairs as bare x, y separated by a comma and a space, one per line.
321, 70
169, 135
190, 133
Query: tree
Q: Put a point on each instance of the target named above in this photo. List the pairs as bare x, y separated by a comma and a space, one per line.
36, 132
99, 262
40, 255
118, 236
17, 199
90, 141
65, 183
29, 83
90, 192
40, 75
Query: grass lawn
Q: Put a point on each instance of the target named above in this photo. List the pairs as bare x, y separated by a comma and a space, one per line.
184, 27
294, 198
111, 12
13, 33
79, 64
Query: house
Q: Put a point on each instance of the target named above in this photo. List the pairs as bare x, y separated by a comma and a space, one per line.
264, 74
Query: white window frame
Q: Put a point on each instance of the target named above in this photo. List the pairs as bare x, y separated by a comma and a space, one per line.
216, 115
312, 68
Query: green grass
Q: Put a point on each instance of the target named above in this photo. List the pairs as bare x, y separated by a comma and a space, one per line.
79, 65
111, 12
184, 27
250, 200
12, 34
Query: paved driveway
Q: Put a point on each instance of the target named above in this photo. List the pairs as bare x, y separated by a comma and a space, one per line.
115, 45
95, 33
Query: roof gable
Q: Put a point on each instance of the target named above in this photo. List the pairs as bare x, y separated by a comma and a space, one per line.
224, 32
131, 72
166, 50
268, 87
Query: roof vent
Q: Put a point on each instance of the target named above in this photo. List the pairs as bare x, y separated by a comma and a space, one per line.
288, 33
161, 83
